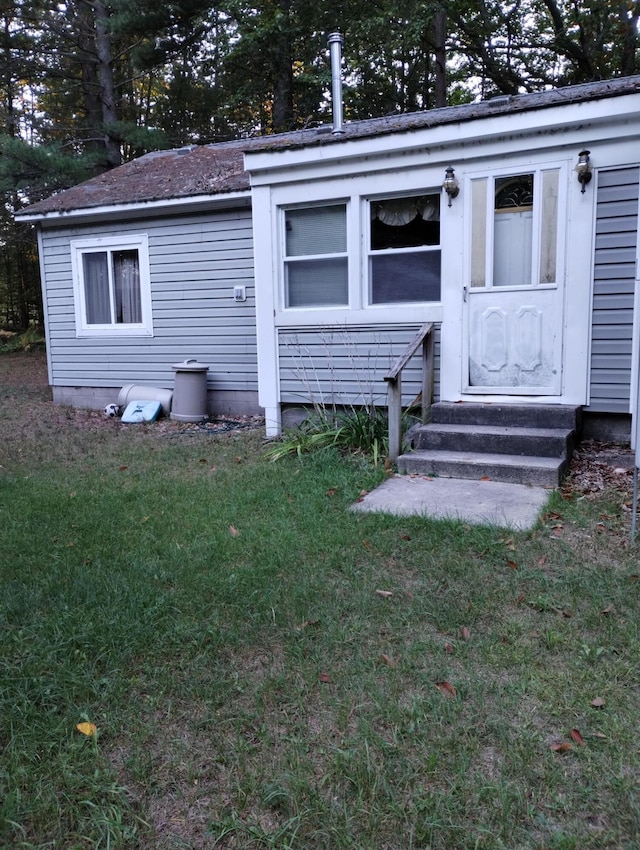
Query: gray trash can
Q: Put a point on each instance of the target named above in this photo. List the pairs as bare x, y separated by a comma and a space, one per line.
190, 392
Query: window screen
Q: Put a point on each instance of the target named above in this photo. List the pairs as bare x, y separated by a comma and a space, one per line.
404, 262
316, 265
112, 287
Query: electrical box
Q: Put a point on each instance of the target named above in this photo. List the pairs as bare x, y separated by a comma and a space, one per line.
239, 293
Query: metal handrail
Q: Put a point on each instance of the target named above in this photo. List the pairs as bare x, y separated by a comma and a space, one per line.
424, 337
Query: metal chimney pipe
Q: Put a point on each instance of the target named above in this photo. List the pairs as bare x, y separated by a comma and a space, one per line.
335, 47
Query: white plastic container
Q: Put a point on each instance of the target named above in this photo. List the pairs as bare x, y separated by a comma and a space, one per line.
136, 392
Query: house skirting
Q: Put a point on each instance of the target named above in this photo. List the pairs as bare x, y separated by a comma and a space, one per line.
222, 402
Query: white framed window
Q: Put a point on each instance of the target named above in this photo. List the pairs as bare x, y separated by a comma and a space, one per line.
316, 267
404, 249
112, 286
515, 229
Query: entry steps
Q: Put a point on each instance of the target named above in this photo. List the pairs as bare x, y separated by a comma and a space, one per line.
513, 443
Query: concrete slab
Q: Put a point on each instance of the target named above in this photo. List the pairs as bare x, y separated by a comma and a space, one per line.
514, 506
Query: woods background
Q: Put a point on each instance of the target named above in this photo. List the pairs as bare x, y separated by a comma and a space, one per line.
88, 84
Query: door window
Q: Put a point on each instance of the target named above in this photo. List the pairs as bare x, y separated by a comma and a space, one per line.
514, 229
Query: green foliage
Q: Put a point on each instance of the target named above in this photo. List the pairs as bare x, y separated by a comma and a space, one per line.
30, 340
362, 429
36, 171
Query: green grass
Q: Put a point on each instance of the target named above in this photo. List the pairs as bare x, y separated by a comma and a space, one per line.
217, 618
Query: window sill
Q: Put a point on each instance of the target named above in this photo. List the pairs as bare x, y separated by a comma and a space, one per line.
113, 333
380, 314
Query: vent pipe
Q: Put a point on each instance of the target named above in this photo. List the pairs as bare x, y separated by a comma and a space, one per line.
335, 47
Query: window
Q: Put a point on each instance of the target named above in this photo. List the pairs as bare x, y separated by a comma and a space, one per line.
404, 260
316, 266
522, 223
111, 286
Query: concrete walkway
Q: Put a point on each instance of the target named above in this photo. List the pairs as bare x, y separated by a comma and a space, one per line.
514, 506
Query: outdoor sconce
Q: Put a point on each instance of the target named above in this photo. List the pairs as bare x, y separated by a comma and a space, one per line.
450, 184
583, 169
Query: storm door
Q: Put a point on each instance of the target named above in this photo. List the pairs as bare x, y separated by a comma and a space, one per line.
513, 295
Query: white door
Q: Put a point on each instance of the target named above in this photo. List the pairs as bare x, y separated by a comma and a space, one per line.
513, 296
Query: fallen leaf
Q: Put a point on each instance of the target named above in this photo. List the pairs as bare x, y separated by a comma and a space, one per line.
512, 564
87, 728
364, 493
238, 459
325, 678
575, 735
600, 735
567, 613
598, 702
385, 593
564, 747
465, 634
448, 648
388, 660
520, 598
542, 561
447, 689
122, 468
306, 624
203, 460
404, 537
608, 610
233, 531
387, 465
366, 544
331, 491
485, 478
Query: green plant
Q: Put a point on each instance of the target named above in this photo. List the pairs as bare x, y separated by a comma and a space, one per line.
340, 416
29, 340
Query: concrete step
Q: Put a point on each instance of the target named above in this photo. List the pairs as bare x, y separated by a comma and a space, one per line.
496, 439
517, 415
512, 469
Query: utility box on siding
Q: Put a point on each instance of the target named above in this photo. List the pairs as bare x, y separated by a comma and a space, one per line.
190, 391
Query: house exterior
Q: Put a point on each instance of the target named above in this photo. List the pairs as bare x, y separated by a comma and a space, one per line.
345, 243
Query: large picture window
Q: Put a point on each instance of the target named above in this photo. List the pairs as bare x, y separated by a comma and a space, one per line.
404, 259
111, 284
316, 265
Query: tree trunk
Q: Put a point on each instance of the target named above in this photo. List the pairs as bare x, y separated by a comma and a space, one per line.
440, 55
283, 116
108, 97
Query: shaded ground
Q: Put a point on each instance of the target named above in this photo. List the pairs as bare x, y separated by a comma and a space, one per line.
26, 406
26, 409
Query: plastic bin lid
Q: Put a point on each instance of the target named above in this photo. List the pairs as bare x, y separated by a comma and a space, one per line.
190, 366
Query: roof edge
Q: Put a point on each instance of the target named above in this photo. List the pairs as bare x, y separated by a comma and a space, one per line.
107, 211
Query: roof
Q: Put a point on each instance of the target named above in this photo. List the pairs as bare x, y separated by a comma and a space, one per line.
219, 169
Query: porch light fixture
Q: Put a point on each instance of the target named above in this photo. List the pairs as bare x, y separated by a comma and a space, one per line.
583, 169
450, 184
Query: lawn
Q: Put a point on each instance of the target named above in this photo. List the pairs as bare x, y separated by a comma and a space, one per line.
258, 667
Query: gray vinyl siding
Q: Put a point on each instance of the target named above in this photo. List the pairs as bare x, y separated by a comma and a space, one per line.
195, 261
613, 290
347, 365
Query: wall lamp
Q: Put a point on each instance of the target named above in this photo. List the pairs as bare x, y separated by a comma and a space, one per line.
583, 169
450, 184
